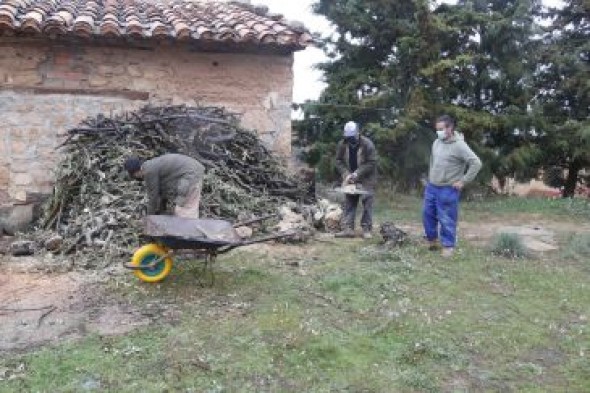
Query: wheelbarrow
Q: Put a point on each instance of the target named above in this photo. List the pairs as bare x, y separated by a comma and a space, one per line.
171, 236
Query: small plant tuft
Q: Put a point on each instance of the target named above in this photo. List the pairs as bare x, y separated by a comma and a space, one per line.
509, 245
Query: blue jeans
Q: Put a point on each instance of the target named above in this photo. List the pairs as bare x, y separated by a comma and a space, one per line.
441, 206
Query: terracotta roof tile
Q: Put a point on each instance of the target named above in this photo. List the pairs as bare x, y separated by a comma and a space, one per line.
196, 20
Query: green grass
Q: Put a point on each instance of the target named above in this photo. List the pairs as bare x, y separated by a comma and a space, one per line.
353, 317
578, 208
397, 207
578, 247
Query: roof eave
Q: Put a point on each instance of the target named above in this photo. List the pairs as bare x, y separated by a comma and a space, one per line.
134, 42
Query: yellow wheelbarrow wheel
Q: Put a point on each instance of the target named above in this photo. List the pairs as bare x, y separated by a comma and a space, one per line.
157, 264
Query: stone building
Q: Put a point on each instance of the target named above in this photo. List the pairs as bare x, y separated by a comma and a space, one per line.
64, 60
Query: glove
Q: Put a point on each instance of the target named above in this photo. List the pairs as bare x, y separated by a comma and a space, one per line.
351, 179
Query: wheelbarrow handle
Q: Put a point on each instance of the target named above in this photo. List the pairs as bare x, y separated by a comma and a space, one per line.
268, 238
254, 220
257, 240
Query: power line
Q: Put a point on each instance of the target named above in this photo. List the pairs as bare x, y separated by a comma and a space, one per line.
300, 106
349, 106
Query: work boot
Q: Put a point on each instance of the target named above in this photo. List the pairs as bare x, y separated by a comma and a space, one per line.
433, 245
347, 233
367, 235
448, 252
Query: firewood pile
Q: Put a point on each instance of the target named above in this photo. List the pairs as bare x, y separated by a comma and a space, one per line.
392, 235
327, 216
95, 205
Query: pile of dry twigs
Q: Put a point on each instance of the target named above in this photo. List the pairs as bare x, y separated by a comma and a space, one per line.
96, 205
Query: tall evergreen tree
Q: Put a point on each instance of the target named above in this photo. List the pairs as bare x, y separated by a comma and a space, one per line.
375, 52
489, 62
563, 83
396, 65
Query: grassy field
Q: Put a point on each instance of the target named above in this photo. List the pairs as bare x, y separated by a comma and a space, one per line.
348, 316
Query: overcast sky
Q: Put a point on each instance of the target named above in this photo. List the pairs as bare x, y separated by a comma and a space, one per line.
308, 82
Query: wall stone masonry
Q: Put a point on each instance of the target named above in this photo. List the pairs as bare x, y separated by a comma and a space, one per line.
32, 127
46, 88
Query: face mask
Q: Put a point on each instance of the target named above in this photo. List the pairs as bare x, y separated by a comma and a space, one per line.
351, 140
441, 134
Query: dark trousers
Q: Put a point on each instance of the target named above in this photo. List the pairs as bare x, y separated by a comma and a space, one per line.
350, 205
441, 208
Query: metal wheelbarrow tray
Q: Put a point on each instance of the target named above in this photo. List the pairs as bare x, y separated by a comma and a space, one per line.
199, 237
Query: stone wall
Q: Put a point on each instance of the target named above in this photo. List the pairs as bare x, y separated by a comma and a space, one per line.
47, 88
32, 126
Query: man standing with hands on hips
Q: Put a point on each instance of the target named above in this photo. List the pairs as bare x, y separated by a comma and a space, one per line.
452, 165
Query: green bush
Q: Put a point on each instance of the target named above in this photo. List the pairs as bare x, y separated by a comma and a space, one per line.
508, 245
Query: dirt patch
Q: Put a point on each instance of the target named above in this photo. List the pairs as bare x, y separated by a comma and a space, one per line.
37, 309
538, 234
42, 301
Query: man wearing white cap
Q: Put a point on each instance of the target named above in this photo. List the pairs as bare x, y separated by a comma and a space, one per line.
356, 160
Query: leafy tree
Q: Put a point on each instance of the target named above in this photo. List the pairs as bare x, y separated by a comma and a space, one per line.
374, 53
563, 99
394, 66
488, 59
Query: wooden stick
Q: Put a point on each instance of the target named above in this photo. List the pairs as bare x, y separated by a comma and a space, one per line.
17, 310
44, 315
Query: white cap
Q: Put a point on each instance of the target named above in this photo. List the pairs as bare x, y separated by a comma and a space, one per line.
351, 129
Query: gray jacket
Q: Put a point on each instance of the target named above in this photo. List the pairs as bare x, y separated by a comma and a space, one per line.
367, 162
452, 160
170, 176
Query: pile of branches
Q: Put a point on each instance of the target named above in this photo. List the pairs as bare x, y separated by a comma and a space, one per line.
96, 204
392, 235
